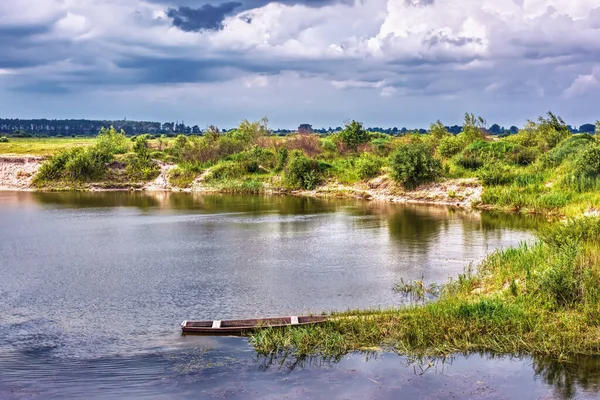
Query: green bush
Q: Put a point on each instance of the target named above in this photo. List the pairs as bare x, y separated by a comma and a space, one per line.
413, 164
495, 174
470, 161
86, 164
368, 166
182, 178
226, 171
282, 159
3, 139
449, 146
302, 172
53, 167
567, 149
353, 135
112, 142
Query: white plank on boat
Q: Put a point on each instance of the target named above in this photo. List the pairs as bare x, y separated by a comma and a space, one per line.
216, 324
295, 321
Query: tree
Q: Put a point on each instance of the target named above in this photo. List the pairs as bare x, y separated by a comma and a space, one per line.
597, 127
354, 134
413, 164
473, 127
305, 129
438, 130
513, 130
587, 128
496, 129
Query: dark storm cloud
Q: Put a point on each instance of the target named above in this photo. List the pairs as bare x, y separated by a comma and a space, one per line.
210, 17
19, 49
207, 17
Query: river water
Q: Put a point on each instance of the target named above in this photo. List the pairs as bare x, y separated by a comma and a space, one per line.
93, 287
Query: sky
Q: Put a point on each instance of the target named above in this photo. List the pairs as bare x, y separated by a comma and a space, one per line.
383, 62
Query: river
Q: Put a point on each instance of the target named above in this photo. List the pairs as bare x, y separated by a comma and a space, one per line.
94, 286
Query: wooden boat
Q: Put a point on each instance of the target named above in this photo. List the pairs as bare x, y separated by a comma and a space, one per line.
241, 326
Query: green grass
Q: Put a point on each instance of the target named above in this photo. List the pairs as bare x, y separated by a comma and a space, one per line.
540, 299
41, 146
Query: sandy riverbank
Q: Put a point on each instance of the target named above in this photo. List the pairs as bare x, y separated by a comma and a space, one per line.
16, 174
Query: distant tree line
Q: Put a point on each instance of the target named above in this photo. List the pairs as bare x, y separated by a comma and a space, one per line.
84, 127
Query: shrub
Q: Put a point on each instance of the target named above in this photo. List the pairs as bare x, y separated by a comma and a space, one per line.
3, 139
282, 159
226, 171
182, 178
110, 141
302, 172
86, 164
53, 167
470, 161
450, 146
368, 166
413, 164
308, 144
495, 174
353, 135
567, 149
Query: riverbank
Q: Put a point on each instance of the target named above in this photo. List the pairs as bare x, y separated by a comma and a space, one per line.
17, 173
540, 298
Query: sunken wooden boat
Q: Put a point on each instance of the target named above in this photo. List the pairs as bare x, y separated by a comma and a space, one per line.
241, 326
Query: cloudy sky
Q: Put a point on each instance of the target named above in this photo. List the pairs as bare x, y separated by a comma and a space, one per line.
384, 62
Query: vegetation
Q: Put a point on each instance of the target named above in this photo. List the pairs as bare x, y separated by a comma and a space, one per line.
541, 299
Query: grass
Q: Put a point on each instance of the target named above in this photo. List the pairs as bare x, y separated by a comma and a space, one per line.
41, 146
541, 299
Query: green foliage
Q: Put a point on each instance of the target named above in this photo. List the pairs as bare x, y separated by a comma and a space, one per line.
368, 166
450, 145
473, 128
438, 130
53, 167
302, 172
86, 164
112, 142
182, 177
3, 139
248, 132
227, 170
413, 164
568, 149
353, 135
546, 133
282, 159
493, 174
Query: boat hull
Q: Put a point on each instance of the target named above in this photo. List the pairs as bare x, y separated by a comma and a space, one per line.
242, 326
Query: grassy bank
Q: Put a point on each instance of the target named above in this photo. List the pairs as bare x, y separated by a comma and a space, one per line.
540, 299
543, 169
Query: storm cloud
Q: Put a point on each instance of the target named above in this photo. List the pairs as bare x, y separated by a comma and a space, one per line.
207, 17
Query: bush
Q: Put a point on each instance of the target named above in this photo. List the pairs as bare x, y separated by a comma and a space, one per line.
450, 146
110, 141
182, 178
226, 171
495, 174
86, 164
3, 139
413, 164
353, 135
302, 172
53, 167
568, 148
368, 166
470, 161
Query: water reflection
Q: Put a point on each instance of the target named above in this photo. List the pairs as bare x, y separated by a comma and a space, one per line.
94, 285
